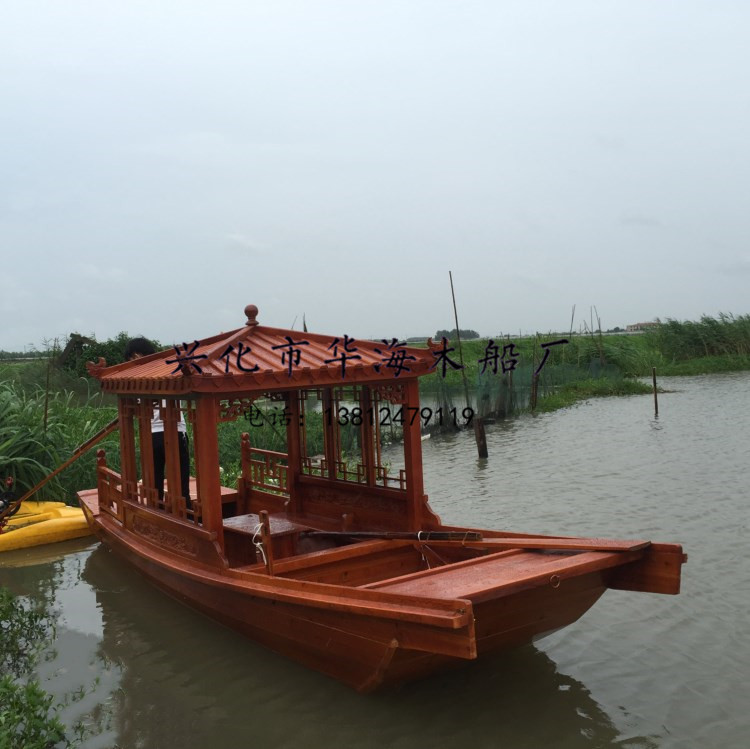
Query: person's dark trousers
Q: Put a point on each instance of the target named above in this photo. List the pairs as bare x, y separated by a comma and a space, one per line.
157, 438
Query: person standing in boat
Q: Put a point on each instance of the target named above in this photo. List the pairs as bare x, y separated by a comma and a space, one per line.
135, 349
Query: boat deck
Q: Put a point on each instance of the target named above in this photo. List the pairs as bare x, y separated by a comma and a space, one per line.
483, 577
91, 496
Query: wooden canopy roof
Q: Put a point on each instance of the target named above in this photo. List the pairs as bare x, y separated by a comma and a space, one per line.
256, 358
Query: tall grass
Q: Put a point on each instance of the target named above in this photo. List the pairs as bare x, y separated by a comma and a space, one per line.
29, 451
726, 335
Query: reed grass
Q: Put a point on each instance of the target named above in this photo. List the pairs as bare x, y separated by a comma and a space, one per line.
31, 448
726, 335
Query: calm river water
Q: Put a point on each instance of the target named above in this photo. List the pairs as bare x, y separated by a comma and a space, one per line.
638, 670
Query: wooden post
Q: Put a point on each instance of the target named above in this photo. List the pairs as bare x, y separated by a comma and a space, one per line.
173, 500
656, 399
413, 459
294, 449
244, 485
148, 486
367, 437
330, 432
125, 409
534, 390
479, 435
509, 405
205, 435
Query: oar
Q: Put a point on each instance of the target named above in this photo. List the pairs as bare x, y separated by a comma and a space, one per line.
80, 450
401, 535
572, 544
476, 541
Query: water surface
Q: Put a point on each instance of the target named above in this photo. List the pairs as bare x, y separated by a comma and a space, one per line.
638, 670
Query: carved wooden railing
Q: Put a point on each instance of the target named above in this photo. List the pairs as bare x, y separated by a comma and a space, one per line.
268, 471
314, 466
109, 486
383, 478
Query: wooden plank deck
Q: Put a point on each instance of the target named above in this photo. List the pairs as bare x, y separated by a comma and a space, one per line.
500, 573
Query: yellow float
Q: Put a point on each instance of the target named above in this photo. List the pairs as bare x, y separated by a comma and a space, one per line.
38, 523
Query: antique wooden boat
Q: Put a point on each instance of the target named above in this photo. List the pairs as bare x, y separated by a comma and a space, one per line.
330, 554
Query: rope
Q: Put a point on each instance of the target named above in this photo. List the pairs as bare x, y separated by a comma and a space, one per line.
258, 543
422, 548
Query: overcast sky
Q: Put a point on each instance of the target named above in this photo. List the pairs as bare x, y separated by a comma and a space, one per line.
163, 164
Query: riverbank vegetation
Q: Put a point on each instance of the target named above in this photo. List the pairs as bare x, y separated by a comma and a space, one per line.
28, 717
40, 429
48, 408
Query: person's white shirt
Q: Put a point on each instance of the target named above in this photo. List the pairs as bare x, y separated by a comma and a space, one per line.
157, 423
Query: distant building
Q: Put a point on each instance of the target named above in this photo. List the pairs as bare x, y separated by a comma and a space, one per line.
641, 326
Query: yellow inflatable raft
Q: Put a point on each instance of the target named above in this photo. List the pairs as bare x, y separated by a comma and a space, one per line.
38, 523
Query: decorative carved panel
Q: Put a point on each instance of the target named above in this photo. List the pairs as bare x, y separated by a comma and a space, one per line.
163, 537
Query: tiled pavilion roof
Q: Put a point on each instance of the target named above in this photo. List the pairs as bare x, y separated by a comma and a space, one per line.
257, 358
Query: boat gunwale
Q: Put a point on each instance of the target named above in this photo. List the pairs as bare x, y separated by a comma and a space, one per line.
449, 613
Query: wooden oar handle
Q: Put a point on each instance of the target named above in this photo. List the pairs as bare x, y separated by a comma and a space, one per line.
467, 536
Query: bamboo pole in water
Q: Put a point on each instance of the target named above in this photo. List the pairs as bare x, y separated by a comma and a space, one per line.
479, 434
656, 399
534, 376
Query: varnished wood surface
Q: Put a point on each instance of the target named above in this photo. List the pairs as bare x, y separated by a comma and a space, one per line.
358, 635
248, 523
500, 575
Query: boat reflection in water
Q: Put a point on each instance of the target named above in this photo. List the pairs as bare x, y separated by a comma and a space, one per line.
184, 681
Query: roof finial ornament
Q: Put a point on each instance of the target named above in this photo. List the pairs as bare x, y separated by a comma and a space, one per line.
252, 312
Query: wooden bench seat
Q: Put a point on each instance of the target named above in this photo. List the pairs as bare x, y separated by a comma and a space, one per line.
247, 524
240, 530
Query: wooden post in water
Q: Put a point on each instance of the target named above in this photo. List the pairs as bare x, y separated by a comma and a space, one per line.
656, 399
479, 434
534, 378
509, 408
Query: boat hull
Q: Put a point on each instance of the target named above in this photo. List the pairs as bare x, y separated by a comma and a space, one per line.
364, 650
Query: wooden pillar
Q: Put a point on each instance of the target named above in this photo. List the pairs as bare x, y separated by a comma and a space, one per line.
173, 500
413, 458
126, 408
367, 437
330, 430
244, 486
205, 436
294, 450
145, 415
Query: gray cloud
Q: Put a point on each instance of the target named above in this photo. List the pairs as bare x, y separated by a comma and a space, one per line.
338, 159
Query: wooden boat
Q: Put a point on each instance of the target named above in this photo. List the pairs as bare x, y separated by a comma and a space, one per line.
335, 560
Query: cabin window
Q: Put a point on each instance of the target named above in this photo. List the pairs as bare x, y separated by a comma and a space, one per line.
351, 433
264, 419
